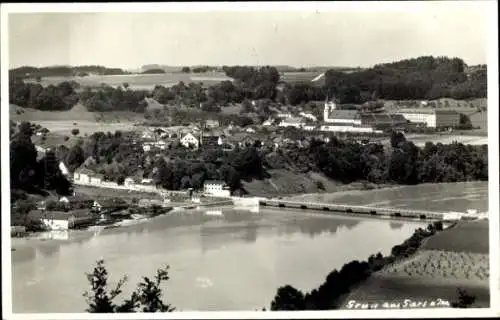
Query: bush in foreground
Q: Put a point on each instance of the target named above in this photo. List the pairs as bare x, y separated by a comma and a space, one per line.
146, 298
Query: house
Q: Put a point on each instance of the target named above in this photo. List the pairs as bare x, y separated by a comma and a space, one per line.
82, 175
292, 122
129, 182
109, 205
64, 200
96, 179
147, 134
57, 220
190, 141
212, 124
40, 149
146, 147
216, 188
268, 122
308, 116
211, 141
147, 181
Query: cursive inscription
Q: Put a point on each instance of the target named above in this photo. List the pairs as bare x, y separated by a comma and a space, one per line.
401, 304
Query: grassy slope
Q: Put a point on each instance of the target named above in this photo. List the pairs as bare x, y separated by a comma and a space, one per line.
285, 182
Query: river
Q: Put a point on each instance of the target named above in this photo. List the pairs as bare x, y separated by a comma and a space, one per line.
235, 261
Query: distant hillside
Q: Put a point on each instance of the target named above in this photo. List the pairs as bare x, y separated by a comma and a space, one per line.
154, 71
423, 78
62, 71
76, 114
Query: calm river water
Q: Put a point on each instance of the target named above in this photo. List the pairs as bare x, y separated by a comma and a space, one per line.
231, 262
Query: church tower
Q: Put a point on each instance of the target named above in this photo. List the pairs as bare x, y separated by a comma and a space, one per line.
329, 106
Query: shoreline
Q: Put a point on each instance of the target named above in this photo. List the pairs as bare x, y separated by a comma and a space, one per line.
385, 275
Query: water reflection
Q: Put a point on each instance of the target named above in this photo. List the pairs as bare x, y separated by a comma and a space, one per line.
316, 225
49, 249
396, 225
270, 248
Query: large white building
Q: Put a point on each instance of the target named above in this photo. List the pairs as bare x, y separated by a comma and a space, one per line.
216, 189
432, 118
332, 115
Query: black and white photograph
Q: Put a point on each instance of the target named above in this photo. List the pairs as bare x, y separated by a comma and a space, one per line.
256, 158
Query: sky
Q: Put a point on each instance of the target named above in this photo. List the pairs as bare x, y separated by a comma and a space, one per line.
130, 40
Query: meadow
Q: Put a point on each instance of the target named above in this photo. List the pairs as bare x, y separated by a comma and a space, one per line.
141, 81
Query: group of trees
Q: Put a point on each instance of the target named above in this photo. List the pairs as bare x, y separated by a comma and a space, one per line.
412, 79
190, 95
184, 117
254, 83
34, 95
62, 71
108, 98
26, 173
403, 163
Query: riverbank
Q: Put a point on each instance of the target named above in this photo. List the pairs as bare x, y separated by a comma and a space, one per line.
435, 271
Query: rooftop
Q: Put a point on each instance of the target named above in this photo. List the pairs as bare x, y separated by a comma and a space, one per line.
427, 111
219, 182
84, 171
344, 114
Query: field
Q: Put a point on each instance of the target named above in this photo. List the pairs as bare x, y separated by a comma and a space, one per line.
447, 265
141, 81
62, 122
293, 77
455, 258
55, 139
149, 81
467, 236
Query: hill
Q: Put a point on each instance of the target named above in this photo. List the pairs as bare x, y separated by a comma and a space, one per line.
62, 122
286, 182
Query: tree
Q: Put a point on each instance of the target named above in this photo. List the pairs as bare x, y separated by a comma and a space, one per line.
75, 157
397, 138
186, 69
75, 132
146, 298
126, 85
464, 299
288, 298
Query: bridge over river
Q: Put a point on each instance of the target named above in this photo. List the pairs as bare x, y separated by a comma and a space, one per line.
353, 209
